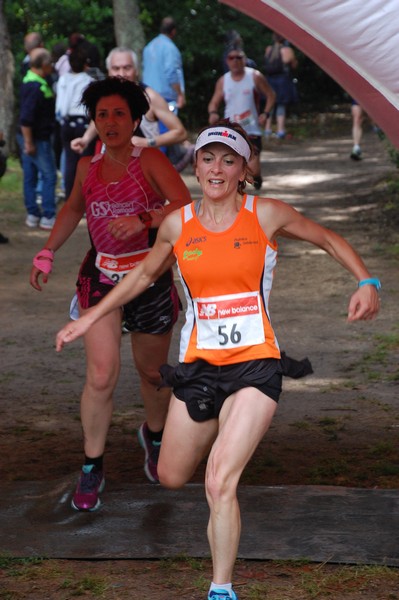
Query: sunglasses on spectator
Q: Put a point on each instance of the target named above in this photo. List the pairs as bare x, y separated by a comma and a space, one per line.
235, 56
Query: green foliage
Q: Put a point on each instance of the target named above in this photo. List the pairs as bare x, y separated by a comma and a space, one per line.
202, 26
394, 155
56, 19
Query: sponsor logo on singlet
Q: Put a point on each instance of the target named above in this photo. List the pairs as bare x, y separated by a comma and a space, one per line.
192, 254
196, 240
107, 209
239, 242
228, 308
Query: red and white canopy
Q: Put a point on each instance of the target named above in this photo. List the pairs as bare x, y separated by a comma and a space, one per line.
355, 41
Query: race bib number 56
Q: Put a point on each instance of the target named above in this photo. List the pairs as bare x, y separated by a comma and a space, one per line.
229, 321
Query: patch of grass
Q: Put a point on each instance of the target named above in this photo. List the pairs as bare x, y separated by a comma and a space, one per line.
17, 566
384, 448
20, 429
321, 582
317, 583
386, 469
374, 376
12, 178
183, 564
8, 342
328, 471
348, 384
331, 427
393, 250
259, 464
8, 376
380, 363
327, 422
301, 425
11, 188
182, 560
95, 585
386, 344
34, 569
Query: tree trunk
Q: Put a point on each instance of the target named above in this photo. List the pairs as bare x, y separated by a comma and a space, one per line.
128, 30
7, 125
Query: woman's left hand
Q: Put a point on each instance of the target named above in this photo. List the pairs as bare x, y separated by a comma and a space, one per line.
364, 304
72, 331
124, 228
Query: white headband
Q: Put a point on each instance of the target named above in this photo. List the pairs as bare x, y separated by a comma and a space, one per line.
227, 136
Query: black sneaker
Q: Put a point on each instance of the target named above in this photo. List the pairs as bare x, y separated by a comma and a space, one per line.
356, 155
151, 450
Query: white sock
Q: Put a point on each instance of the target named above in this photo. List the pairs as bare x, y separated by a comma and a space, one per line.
221, 586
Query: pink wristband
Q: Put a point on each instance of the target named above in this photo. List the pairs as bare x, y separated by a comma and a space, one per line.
44, 261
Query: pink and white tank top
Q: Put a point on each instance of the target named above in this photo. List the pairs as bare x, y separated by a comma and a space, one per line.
107, 201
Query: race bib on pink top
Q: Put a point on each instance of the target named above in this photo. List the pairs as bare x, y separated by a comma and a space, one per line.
115, 268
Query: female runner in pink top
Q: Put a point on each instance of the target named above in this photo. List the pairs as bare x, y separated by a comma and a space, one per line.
123, 193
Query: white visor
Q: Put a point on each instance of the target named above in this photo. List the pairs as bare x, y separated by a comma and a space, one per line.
224, 135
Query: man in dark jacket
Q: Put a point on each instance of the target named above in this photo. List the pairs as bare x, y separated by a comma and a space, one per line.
37, 122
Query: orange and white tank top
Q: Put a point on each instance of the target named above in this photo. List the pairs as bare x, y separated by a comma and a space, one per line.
227, 279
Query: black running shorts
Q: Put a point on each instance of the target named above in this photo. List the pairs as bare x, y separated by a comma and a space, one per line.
205, 387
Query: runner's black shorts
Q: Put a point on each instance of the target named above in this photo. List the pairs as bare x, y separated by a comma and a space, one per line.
205, 387
155, 311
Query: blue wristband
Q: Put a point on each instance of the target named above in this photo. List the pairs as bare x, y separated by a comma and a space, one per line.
374, 281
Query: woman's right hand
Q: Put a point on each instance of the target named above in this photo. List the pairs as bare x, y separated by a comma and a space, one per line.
35, 276
42, 265
123, 228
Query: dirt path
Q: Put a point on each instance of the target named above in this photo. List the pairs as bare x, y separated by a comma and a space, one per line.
337, 427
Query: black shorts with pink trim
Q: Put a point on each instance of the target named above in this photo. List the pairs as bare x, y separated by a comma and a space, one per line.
155, 311
205, 387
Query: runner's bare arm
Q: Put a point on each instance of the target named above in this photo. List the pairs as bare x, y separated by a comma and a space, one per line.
159, 111
215, 101
66, 222
262, 85
137, 281
279, 219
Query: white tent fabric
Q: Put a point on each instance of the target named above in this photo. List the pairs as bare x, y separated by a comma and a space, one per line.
355, 41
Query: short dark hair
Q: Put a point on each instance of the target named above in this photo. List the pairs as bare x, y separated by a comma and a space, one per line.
78, 59
132, 92
168, 25
40, 57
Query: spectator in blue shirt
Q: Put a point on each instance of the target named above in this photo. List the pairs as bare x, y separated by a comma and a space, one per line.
163, 66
